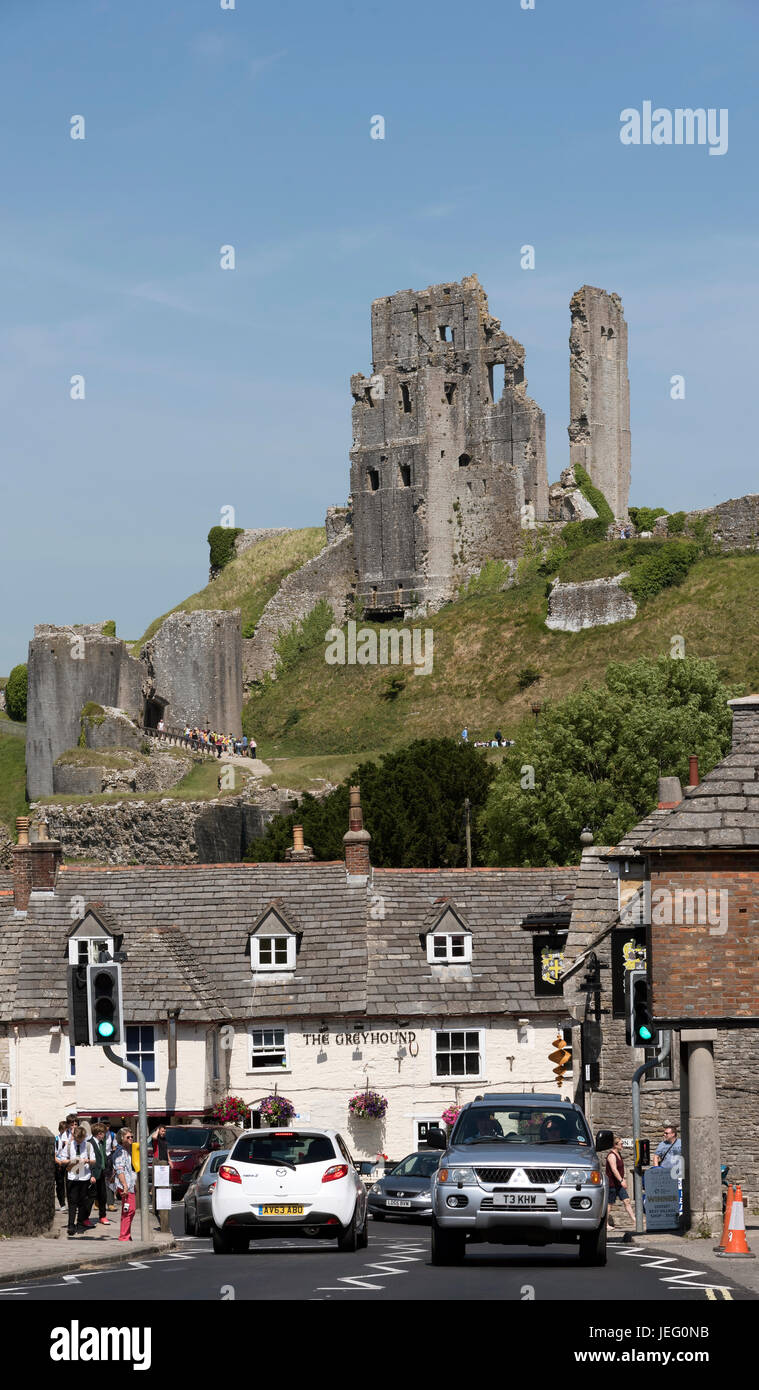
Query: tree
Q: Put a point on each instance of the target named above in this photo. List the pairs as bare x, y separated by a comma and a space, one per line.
413, 804
594, 758
15, 694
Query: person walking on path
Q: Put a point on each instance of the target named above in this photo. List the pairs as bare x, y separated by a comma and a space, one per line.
615, 1172
62, 1142
126, 1181
98, 1192
79, 1179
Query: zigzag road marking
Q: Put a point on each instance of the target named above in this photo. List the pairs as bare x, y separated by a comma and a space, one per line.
362, 1281
683, 1278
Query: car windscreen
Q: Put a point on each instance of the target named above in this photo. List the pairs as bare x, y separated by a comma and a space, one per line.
289, 1148
515, 1125
186, 1137
417, 1166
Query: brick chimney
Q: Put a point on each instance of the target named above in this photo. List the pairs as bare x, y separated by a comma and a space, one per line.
745, 724
693, 777
35, 866
356, 840
670, 793
299, 853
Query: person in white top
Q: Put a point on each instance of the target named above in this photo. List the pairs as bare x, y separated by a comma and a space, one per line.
80, 1177
62, 1140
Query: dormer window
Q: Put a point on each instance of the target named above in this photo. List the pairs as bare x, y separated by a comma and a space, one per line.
85, 950
94, 932
273, 941
449, 940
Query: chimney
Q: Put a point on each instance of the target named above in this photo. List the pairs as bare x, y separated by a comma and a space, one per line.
745, 724
356, 840
670, 793
300, 853
35, 866
693, 770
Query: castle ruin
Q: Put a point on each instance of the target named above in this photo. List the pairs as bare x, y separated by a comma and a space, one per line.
599, 394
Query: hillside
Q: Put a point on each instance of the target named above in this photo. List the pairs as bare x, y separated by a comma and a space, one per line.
481, 644
249, 581
12, 771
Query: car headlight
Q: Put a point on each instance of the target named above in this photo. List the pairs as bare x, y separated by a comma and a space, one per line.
582, 1177
455, 1175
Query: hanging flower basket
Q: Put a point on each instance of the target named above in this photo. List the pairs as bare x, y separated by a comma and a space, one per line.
367, 1105
232, 1110
450, 1115
277, 1110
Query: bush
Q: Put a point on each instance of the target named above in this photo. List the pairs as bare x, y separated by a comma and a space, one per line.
594, 495
528, 676
303, 637
393, 687
109, 628
221, 540
15, 694
577, 534
676, 523
643, 518
667, 566
494, 576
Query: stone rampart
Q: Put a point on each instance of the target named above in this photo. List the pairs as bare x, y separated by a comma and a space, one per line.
594, 603
734, 524
329, 575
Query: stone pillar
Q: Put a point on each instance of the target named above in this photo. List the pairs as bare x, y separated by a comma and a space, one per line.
700, 1130
599, 394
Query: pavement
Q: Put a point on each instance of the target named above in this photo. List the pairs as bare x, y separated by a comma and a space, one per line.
29, 1257
730, 1267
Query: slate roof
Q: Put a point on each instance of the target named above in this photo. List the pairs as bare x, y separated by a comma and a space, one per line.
723, 811
186, 930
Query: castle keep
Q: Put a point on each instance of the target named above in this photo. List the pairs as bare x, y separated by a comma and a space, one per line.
599, 394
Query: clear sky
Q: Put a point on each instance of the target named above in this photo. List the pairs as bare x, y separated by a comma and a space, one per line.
250, 127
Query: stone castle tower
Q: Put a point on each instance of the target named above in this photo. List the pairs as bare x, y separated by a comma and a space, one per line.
448, 448
599, 394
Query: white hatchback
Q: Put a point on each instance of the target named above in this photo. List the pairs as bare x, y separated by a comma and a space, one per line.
288, 1182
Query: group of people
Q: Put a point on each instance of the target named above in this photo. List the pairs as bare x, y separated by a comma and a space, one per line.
668, 1156
94, 1164
497, 741
220, 744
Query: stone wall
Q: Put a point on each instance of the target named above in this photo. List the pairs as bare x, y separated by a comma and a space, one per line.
246, 539
734, 524
194, 666
599, 394
157, 772
594, 603
329, 575
28, 1186
6, 846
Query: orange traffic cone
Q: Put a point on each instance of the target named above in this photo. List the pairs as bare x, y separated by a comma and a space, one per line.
736, 1244
726, 1223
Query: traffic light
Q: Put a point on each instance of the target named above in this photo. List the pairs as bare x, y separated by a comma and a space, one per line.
79, 1023
104, 1002
639, 1027
561, 1058
642, 1154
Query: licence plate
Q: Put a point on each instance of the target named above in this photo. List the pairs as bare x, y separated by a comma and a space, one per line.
519, 1199
285, 1210
393, 1202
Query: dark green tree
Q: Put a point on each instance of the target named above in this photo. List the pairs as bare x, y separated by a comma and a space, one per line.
413, 804
15, 694
594, 758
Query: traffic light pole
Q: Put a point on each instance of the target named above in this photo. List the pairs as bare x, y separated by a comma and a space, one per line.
142, 1136
637, 1177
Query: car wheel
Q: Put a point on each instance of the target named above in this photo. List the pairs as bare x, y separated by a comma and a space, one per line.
593, 1247
222, 1245
448, 1247
363, 1235
377, 1216
349, 1237
196, 1231
188, 1230
240, 1243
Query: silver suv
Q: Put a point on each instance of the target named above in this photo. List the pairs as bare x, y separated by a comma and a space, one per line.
519, 1170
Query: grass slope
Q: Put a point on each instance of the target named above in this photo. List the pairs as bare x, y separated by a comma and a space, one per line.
12, 774
481, 643
252, 579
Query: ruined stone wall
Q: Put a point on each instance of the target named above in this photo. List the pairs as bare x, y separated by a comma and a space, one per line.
246, 539
194, 664
329, 575
599, 394
443, 458
734, 524
592, 603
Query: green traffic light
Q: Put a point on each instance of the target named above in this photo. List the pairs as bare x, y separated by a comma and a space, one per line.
105, 1029
645, 1032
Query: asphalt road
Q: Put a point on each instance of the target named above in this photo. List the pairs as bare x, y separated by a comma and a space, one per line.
395, 1266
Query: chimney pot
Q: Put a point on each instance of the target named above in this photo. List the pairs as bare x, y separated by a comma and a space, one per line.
670, 793
22, 828
356, 840
693, 770
297, 837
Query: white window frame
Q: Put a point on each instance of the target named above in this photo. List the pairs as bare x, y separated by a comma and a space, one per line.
92, 952
5, 1103
129, 1082
255, 951
69, 1056
264, 1049
457, 1078
449, 938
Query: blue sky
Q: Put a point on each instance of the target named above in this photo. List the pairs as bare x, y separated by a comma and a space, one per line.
251, 127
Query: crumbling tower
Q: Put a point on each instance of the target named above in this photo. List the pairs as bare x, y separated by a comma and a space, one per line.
599, 394
448, 458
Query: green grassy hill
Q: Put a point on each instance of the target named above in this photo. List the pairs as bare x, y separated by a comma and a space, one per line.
252, 579
12, 771
481, 643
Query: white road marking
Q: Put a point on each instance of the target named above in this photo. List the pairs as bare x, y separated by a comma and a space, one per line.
350, 1282
682, 1278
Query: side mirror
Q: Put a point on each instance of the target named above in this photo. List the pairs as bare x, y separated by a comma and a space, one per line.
604, 1139
435, 1138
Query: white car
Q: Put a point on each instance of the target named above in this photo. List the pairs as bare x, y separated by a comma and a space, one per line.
286, 1182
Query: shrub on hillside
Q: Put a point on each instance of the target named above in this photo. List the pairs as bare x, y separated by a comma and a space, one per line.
15, 694
109, 628
676, 523
594, 495
668, 565
221, 540
643, 518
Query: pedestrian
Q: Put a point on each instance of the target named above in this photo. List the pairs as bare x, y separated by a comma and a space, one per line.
111, 1145
159, 1145
98, 1192
80, 1177
245, 745
464, 735
615, 1172
669, 1152
126, 1181
62, 1141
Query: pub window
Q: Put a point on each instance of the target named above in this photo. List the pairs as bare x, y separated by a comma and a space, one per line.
140, 1049
5, 1105
272, 952
445, 947
458, 1053
268, 1049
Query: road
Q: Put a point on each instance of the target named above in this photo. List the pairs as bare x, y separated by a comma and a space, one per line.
395, 1266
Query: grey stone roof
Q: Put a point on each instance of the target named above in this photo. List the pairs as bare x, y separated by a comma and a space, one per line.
723, 811
186, 930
